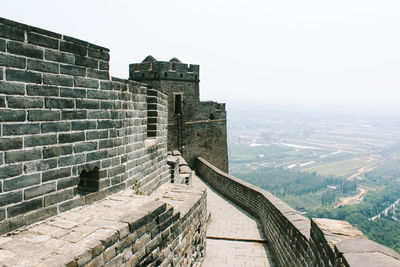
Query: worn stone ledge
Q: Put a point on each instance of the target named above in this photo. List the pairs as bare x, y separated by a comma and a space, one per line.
165, 227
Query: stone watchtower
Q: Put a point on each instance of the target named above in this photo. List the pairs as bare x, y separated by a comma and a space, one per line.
195, 128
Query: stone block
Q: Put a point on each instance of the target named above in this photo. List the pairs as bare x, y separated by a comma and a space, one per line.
20, 129
43, 115
23, 76
59, 80
10, 143
40, 140
56, 174
39, 190
72, 70
12, 33
73, 92
74, 114
42, 66
24, 207
41, 90
24, 50
59, 103
9, 88
41, 40
71, 137
58, 56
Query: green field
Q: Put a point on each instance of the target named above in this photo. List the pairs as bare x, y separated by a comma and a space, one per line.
341, 168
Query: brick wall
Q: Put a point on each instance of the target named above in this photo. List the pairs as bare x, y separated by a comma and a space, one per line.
62, 116
293, 239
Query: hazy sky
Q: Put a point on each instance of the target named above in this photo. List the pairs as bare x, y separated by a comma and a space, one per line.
342, 52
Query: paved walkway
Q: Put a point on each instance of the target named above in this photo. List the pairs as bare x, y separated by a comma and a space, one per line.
229, 228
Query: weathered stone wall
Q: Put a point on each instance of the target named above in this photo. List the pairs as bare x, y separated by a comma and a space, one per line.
203, 127
63, 117
292, 239
124, 229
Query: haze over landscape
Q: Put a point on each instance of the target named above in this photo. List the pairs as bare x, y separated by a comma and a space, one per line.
341, 54
311, 88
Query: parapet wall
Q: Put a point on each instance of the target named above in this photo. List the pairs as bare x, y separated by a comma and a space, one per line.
293, 239
70, 134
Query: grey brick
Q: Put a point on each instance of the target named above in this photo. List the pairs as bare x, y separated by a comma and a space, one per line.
98, 74
41, 90
24, 102
59, 103
9, 198
104, 65
73, 48
12, 61
97, 94
87, 104
41, 40
39, 215
71, 137
83, 147
42, 165
56, 151
10, 171
87, 62
70, 204
40, 140
83, 125
10, 143
56, 174
55, 127
40, 65
2, 45
43, 115
105, 124
20, 129
39, 190
71, 160
96, 155
21, 182
62, 80
22, 155
12, 33
99, 114
9, 88
108, 143
24, 207
23, 76
96, 135
2, 214
106, 85
68, 182
73, 92
12, 115
106, 105
2, 101
59, 57
74, 114
99, 54
72, 70
87, 83
24, 49
58, 197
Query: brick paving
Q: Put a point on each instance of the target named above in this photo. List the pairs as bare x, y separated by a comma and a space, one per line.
227, 223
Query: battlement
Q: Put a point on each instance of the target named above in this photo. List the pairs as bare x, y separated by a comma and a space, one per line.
175, 70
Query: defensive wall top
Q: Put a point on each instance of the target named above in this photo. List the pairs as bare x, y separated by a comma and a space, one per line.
151, 69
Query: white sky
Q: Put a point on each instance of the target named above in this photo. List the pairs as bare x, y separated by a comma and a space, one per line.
342, 52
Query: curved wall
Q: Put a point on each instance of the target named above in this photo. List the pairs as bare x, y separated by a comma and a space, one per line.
293, 239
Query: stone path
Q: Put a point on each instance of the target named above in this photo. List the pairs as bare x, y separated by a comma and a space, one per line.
228, 228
